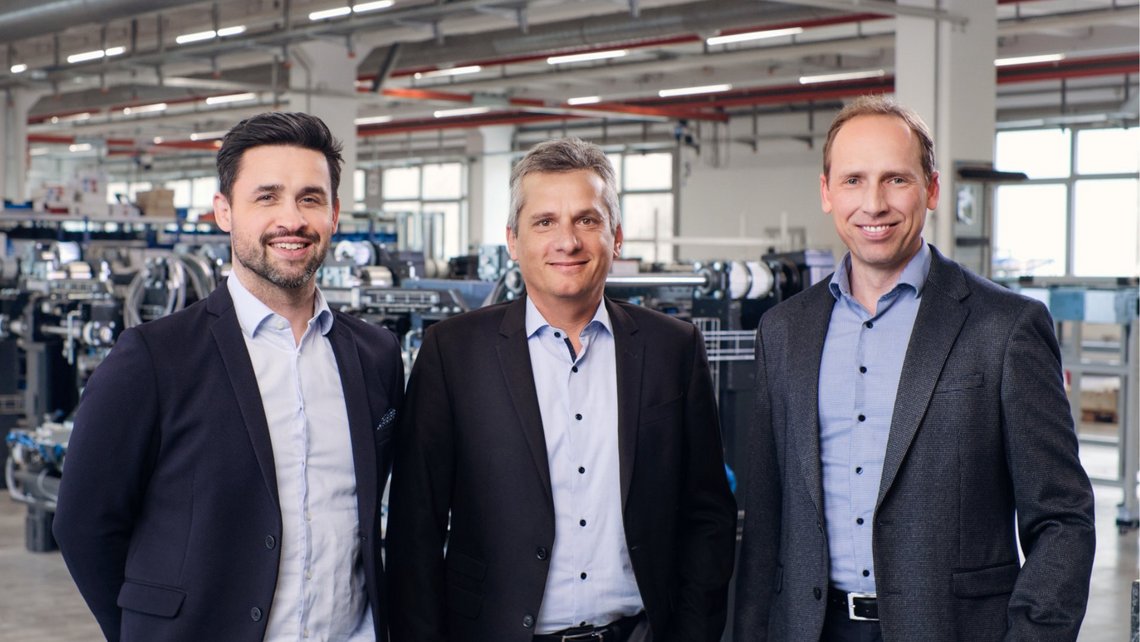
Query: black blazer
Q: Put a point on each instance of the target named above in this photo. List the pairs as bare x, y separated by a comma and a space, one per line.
981, 429
471, 445
168, 513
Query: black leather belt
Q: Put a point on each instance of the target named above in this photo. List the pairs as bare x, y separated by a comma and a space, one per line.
616, 631
859, 606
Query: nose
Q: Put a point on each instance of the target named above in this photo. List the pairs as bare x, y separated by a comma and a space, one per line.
874, 199
568, 240
290, 216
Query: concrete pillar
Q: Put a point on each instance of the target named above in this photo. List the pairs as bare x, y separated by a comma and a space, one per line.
489, 189
322, 82
14, 142
945, 71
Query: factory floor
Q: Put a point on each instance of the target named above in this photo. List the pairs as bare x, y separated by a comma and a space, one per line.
38, 602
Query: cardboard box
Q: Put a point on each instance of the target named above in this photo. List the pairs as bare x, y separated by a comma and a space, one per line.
156, 202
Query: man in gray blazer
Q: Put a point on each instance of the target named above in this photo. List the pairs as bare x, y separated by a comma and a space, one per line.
909, 415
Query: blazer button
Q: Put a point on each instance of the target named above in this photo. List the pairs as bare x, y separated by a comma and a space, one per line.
540, 553
528, 621
255, 614
817, 593
270, 542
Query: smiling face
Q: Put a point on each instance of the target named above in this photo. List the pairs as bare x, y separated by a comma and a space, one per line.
280, 218
877, 194
564, 246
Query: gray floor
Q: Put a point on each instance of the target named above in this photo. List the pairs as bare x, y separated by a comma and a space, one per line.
38, 602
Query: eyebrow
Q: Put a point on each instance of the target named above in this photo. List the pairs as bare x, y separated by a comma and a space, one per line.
276, 188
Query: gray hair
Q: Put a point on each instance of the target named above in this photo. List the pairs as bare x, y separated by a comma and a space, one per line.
565, 155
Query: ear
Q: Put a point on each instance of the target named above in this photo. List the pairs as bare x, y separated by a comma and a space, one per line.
824, 198
222, 212
335, 214
618, 238
512, 239
932, 190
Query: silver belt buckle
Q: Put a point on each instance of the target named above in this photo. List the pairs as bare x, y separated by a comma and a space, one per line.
851, 597
577, 637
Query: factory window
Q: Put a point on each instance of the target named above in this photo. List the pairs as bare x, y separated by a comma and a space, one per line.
359, 179
1077, 215
645, 187
430, 202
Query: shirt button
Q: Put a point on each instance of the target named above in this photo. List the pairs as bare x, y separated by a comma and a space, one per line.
581, 470
583, 575
255, 614
862, 368
862, 417
540, 552
308, 516
528, 621
858, 470
816, 592
866, 573
574, 369
309, 574
581, 522
578, 416
869, 325
557, 335
270, 542
859, 521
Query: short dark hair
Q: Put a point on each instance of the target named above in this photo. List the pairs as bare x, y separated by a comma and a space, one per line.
565, 155
878, 105
277, 128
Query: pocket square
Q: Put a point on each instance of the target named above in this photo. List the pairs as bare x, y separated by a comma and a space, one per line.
387, 419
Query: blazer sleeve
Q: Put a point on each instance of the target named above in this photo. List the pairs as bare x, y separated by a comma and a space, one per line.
109, 461
757, 573
419, 503
707, 518
1052, 492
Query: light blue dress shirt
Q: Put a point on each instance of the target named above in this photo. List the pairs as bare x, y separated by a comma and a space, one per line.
858, 381
320, 591
591, 577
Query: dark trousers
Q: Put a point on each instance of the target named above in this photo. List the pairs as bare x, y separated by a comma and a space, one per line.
838, 627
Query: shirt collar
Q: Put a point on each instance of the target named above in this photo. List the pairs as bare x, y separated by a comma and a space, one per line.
913, 275
252, 313
536, 322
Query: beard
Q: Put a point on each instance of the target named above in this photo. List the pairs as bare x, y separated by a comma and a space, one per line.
255, 258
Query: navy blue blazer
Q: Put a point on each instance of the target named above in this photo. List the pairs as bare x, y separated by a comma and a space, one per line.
168, 513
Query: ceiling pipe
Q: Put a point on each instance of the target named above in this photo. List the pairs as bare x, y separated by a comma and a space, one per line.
21, 19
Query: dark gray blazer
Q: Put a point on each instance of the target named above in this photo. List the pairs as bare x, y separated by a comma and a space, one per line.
981, 429
168, 511
471, 449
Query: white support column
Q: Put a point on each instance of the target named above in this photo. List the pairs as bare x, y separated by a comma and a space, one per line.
489, 179
322, 82
946, 73
14, 142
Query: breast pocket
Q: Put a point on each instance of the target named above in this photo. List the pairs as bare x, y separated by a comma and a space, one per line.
662, 411
959, 384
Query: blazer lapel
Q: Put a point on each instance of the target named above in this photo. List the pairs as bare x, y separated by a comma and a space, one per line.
629, 348
940, 319
359, 422
514, 359
803, 376
235, 357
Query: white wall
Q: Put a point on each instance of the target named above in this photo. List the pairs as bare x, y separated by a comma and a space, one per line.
731, 191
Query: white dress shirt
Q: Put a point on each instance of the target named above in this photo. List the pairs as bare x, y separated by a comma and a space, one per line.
591, 578
320, 580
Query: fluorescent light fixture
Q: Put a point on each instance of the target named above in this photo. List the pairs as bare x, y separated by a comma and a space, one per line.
85, 56
73, 118
158, 140
18, 69
584, 100
365, 7
37, 151
850, 75
452, 71
115, 51
231, 31
689, 91
207, 135
80, 147
231, 98
329, 13
196, 36
753, 35
585, 57
1028, 60
144, 109
465, 111
372, 120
